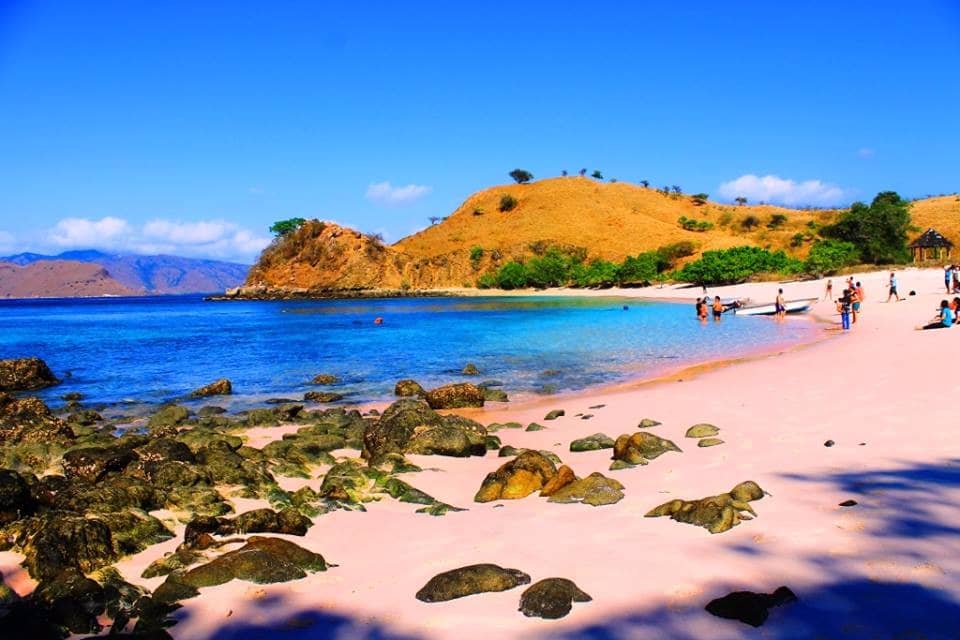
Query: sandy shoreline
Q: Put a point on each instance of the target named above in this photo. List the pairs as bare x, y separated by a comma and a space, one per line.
887, 567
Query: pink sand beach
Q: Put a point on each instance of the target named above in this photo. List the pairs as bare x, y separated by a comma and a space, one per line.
888, 567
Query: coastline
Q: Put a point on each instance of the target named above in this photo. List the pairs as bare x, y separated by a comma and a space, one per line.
888, 565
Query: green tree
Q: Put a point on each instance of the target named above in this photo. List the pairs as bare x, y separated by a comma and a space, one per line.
596, 174
283, 227
740, 200
829, 256
521, 176
639, 269
644, 183
476, 254
879, 231
550, 270
507, 202
512, 275
730, 266
699, 198
750, 222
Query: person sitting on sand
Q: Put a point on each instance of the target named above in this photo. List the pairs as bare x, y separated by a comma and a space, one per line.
893, 287
843, 306
944, 319
780, 306
717, 308
955, 307
828, 294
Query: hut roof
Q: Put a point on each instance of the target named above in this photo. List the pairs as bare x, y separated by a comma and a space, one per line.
930, 238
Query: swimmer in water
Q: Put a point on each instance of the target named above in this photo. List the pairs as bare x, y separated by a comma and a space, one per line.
378, 321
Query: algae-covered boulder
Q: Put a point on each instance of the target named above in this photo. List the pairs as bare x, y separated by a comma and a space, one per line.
29, 420
93, 463
646, 423
171, 415
25, 374
288, 521
748, 607
554, 414
221, 387
322, 396
72, 600
411, 426
563, 477
455, 396
325, 379
528, 472
592, 443
702, 430
595, 490
409, 389
15, 499
495, 395
470, 370
134, 530
165, 450
641, 447
228, 467
57, 542
551, 598
466, 581
717, 513
260, 560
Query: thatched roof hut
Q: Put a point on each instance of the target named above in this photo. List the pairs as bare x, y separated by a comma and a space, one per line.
931, 245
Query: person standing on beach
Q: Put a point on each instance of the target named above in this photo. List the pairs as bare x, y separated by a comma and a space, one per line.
828, 294
855, 301
780, 306
893, 287
843, 306
948, 277
956, 278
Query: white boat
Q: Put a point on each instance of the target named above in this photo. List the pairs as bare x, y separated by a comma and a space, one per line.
793, 306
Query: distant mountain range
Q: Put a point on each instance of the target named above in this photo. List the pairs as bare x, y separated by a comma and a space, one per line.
94, 273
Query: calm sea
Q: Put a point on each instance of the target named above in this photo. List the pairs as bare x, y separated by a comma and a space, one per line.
149, 350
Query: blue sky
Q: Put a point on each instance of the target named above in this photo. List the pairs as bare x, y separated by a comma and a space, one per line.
192, 126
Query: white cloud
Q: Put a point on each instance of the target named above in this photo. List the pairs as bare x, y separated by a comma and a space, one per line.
215, 239
384, 193
774, 189
104, 233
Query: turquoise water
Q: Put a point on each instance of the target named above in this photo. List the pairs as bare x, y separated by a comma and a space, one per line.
154, 349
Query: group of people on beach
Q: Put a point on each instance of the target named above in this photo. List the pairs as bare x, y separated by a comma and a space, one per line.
705, 307
850, 302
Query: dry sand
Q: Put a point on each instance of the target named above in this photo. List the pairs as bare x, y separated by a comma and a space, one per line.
886, 568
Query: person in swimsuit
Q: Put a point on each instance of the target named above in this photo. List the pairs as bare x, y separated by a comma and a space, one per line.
829, 292
855, 301
702, 310
717, 308
780, 306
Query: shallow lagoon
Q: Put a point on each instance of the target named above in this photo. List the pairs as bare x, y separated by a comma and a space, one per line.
154, 349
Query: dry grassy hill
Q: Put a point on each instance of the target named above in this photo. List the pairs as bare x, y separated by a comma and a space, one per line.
607, 220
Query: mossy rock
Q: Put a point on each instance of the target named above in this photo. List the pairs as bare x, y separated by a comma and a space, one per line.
646, 423
554, 414
641, 446
324, 379
592, 443
409, 389
455, 396
221, 387
176, 561
260, 560
551, 598
169, 416
495, 395
518, 478
133, 531
716, 514
620, 465
497, 426
709, 442
322, 396
470, 580
702, 430
595, 490
533, 426
470, 370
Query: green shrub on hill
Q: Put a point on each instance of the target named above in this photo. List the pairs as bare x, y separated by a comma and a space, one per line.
879, 231
829, 256
689, 224
507, 203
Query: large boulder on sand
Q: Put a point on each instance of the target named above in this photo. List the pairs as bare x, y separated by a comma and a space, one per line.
595, 490
717, 513
58, 542
456, 396
93, 463
221, 387
409, 389
641, 447
528, 472
25, 374
465, 581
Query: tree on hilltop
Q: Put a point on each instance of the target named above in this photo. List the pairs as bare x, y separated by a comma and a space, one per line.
740, 200
582, 172
596, 174
878, 231
521, 176
644, 183
564, 173
283, 227
699, 198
